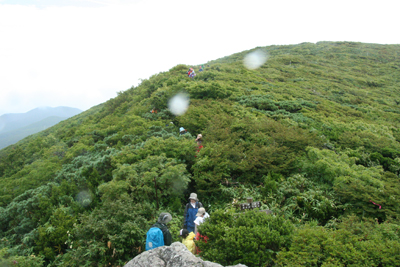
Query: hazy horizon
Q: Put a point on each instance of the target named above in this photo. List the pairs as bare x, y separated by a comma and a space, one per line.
80, 53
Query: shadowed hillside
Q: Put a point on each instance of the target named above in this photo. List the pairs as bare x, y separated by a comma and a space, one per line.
313, 134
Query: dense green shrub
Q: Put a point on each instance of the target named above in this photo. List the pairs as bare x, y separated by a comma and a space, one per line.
212, 90
252, 238
6, 259
152, 180
54, 233
300, 199
112, 233
20, 219
356, 185
356, 242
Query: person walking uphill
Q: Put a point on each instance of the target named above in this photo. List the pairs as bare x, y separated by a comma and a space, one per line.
191, 73
199, 141
159, 235
190, 212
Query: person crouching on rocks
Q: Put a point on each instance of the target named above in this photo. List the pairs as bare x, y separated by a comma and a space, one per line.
188, 240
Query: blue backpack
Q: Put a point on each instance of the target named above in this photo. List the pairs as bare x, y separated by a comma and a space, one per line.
155, 238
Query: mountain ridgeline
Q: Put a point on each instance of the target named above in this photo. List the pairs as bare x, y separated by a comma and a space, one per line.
313, 134
16, 126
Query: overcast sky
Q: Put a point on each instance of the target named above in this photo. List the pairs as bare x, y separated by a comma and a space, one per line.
80, 53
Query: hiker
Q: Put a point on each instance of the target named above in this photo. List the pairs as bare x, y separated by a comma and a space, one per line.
201, 68
199, 141
201, 215
191, 73
191, 211
182, 131
188, 240
159, 235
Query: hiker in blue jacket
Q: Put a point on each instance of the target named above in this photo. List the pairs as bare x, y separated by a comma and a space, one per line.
161, 223
191, 211
182, 131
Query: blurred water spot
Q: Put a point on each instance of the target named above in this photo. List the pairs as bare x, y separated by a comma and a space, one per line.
84, 198
255, 59
178, 104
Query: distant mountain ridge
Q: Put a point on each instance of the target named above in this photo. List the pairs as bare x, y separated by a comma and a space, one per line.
12, 121
16, 126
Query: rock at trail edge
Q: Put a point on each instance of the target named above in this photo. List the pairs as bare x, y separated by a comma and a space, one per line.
176, 255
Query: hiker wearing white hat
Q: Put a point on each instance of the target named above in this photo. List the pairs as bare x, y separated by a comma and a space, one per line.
199, 141
190, 212
201, 215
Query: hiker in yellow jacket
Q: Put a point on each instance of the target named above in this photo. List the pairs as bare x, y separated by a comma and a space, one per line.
187, 240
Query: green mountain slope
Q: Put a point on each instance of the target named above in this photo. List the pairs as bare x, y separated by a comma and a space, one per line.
313, 134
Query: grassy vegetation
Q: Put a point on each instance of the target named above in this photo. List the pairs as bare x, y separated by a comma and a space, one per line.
313, 134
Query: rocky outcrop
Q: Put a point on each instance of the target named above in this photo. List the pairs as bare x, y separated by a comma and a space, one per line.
176, 255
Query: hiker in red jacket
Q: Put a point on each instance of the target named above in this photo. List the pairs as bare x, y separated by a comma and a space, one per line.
191, 73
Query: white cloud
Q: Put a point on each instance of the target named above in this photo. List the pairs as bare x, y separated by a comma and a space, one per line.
80, 53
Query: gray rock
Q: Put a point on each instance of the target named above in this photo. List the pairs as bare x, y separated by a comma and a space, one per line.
176, 255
